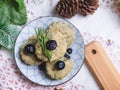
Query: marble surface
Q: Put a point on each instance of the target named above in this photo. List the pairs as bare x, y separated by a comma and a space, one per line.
103, 26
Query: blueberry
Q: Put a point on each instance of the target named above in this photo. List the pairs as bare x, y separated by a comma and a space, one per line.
67, 56
51, 44
69, 50
60, 65
29, 49
42, 66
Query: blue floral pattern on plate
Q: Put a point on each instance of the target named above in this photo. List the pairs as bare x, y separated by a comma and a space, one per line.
32, 72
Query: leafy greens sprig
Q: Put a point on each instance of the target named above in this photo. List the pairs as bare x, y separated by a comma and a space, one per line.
42, 38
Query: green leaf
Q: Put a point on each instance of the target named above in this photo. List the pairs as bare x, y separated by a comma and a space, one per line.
13, 12
21, 4
4, 14
42, 38
8, 35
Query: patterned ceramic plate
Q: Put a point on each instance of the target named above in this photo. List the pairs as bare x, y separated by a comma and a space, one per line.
32, 72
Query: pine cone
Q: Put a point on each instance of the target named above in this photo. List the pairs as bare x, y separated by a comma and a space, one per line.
67, 8
57, 88
88, 6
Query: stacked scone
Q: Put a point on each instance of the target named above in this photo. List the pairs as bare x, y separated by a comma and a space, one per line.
52, 53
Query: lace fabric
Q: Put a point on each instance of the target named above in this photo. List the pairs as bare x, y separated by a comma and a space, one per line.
114, 5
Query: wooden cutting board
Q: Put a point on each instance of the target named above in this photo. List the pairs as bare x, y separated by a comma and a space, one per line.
101, 67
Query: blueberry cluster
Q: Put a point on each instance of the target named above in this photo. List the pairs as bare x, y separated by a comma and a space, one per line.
30, 48
69, 51
60, 64
50, 45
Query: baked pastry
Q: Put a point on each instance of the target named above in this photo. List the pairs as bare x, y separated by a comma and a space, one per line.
65, 30
59, 69
58, 52
28, 56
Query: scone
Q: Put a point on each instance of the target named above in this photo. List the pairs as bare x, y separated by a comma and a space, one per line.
56, 53
29, 58
39, 52
65, 29
55, 72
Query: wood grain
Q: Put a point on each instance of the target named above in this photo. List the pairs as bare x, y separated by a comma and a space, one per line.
101, 67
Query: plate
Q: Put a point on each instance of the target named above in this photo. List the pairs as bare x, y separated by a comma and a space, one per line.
32, 72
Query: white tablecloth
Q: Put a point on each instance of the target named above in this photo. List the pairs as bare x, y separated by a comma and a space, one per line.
103, 26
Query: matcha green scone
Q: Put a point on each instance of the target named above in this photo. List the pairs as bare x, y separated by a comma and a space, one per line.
27, 53
59, 69
58, 52
65, 30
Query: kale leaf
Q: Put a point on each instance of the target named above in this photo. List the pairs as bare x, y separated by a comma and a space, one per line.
12, 13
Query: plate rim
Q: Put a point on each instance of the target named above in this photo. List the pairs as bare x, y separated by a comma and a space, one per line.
72, 26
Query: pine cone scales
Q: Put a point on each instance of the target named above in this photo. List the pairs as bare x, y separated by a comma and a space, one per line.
88, 6
67, 8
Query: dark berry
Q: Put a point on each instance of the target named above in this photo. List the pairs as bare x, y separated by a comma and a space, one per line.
42, 66
60, 65
69, 50
51, 44
67, 56
30, 49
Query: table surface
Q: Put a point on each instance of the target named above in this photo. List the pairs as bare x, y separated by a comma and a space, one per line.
102, 26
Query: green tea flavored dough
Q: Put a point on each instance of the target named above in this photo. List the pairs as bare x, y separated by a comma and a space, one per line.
56, 53
29, 59
54, 73
65, 29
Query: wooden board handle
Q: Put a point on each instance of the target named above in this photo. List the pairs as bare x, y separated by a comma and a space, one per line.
101, 67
